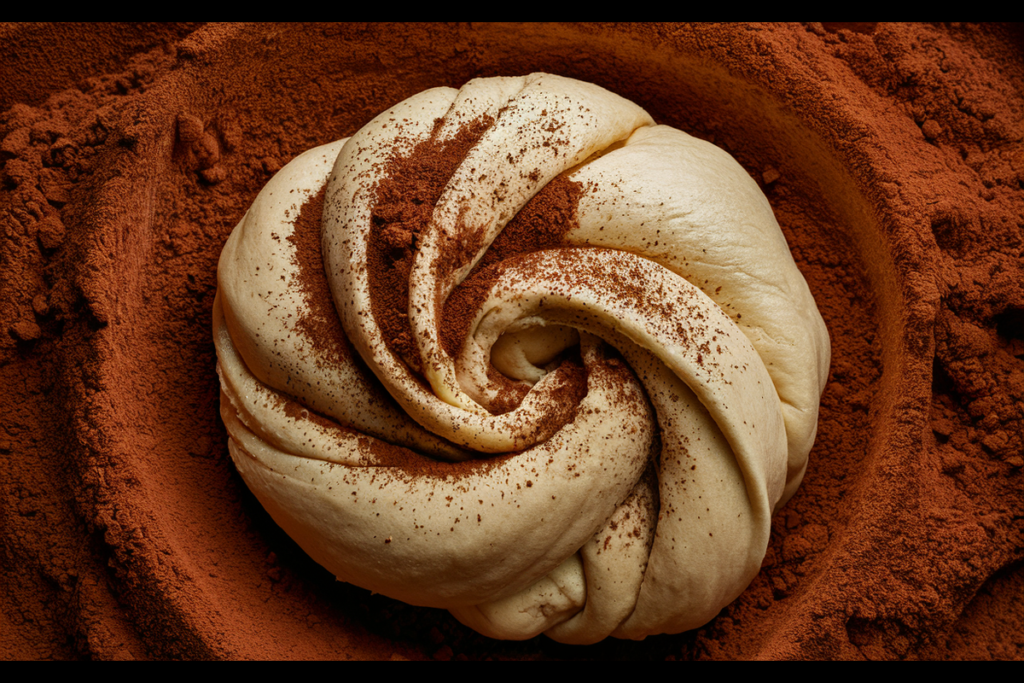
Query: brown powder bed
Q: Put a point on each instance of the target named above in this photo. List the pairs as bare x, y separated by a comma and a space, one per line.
892, 156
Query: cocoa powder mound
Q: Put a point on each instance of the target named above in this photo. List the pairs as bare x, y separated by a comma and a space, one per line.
891, 154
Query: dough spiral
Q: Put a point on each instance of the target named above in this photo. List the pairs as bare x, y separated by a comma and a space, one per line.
629, 491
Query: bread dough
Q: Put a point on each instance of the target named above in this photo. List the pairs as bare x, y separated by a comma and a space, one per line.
645, 508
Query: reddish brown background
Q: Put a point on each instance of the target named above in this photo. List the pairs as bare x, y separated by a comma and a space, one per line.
892, 155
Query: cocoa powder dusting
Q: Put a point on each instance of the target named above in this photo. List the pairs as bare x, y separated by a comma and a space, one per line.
405, 201
402, 463
319, 321
890, 153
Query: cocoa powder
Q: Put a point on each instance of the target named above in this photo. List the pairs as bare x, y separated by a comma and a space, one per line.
404, 204
891, 155
319, 321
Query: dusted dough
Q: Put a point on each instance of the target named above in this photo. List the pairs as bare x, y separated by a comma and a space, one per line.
587, 532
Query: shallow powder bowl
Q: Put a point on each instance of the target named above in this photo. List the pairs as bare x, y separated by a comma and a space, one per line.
204, 568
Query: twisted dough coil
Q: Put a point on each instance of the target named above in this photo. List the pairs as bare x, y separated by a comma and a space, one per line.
631, 490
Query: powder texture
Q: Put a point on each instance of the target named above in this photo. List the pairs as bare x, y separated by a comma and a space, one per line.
892, 157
